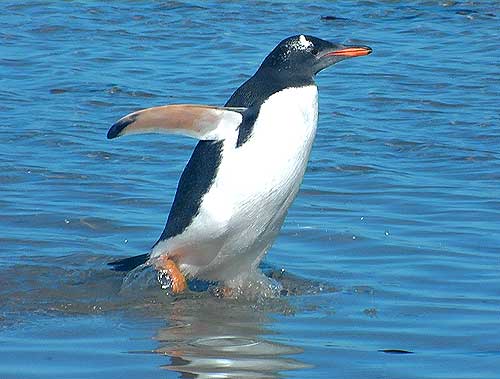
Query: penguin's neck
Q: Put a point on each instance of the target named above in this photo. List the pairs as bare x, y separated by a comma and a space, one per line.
263, 84
289, 115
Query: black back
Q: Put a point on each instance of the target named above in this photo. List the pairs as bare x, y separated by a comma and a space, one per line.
195, 181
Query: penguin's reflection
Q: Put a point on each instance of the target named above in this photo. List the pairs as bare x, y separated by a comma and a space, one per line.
221, 338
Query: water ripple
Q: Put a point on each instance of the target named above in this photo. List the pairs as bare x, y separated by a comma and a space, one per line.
391, 246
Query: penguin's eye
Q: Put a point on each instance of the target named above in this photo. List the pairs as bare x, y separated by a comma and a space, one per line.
314, 51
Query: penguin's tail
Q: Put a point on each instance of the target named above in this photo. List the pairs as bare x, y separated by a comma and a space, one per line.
128, 264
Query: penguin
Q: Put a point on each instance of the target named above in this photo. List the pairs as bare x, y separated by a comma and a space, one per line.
244, 173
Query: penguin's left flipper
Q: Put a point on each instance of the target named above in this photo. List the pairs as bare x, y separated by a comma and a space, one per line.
203, 122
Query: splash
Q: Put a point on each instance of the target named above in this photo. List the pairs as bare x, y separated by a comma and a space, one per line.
258, 285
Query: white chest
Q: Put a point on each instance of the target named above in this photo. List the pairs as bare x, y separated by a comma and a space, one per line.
261, 178
279, 146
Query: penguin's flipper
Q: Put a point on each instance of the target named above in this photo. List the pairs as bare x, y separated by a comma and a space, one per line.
128, 264
203, 122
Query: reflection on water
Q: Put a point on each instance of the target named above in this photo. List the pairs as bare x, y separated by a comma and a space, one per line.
208, 336
223, 339
205, 336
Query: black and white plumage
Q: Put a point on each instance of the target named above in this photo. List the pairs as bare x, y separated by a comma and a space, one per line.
245, 172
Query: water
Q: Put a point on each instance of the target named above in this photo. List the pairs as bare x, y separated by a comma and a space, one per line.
390, 255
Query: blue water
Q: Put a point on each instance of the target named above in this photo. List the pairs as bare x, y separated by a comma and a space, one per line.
392, 245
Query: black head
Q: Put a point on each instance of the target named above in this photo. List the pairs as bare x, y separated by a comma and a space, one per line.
304, 55
293, 63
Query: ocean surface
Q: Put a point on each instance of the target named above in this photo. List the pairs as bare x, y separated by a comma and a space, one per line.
389, 257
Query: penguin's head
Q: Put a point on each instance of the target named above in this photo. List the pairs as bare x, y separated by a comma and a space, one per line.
308, 55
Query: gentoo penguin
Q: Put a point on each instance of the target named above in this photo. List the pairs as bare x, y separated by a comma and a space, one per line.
245, 171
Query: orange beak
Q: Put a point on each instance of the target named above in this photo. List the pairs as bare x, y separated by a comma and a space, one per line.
351, 51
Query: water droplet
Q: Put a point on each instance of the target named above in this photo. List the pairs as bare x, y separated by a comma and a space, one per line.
386, 233
164, 279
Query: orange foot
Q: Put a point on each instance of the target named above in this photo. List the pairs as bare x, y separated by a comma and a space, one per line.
176, 276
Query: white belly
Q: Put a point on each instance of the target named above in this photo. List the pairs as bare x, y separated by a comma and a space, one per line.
256, 183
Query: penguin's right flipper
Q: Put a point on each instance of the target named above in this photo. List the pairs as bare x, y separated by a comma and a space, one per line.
203, 122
